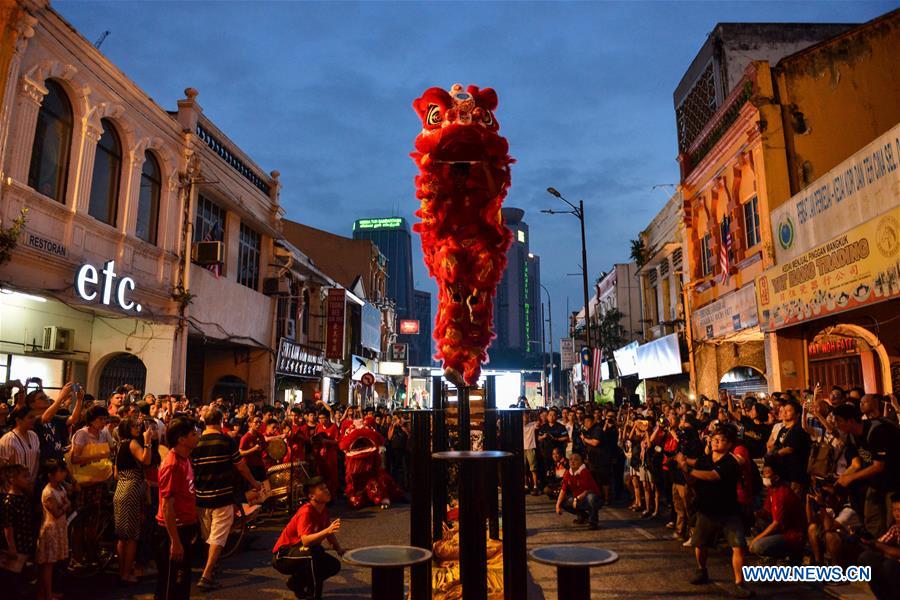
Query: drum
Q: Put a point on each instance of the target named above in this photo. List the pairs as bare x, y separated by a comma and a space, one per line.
279, 478
276, 449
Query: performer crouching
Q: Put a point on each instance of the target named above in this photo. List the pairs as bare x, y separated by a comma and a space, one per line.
299, 552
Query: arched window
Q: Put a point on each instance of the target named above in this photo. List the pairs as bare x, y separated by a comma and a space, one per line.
148, 202
105, 181
52, 142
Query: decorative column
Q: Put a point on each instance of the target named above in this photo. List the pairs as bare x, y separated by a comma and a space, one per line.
28, 104
87, 151
24, 32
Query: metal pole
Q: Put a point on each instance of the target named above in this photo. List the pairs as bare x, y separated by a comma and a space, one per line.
420, 530
439, 443
553, 382
515, 567
587, 306
489, 428
544, 393
472, 538
464, 418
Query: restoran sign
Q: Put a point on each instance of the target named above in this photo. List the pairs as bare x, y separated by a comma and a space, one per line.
852, 193
857, 268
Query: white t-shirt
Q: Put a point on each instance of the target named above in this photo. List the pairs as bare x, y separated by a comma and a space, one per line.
83, 437
22, 450
529, 429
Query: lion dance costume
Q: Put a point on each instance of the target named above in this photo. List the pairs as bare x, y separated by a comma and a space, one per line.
463, 178
366, 478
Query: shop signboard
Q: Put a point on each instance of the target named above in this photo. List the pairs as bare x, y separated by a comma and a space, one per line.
567, 353
334, 323
659, 358
46, 245
729, 314
297, 360
409, 327
852, 193
399, 352
90, 286
858, 268
371, 328
626, 359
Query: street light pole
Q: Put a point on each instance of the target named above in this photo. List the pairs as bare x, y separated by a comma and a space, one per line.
578, 211
550, 321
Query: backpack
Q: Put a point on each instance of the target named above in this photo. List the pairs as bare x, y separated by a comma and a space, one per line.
822, 457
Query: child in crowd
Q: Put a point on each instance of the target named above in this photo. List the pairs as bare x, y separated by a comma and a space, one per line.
16, 521
53, 541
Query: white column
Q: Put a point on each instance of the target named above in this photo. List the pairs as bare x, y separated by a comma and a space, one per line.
87, 151
28, 104
129, 209
25, 31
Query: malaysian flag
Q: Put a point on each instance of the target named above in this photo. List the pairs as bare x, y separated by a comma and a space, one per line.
213, 236
596, 370
725, 250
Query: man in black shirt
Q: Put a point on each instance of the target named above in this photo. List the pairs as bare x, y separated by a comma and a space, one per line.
550, 435
756, 430
214, 461
714, 479
598, 456
791, 449
873, 449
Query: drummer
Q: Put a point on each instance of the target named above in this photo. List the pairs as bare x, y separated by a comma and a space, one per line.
297, 436
252, 446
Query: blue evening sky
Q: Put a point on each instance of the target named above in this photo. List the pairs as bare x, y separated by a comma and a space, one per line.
321, 91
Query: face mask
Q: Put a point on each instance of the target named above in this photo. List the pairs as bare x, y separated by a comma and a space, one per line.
767, 482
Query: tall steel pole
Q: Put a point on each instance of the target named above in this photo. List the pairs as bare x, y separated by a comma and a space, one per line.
587, 306
550, 322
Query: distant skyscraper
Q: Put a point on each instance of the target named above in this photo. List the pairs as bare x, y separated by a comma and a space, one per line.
391, 235
517, 308
421, 345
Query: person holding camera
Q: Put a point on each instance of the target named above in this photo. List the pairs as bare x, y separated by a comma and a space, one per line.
883, 556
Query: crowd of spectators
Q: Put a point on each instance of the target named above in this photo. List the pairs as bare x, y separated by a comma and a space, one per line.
171, 469
797, 477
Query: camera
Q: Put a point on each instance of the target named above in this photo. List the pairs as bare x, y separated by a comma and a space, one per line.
76, 388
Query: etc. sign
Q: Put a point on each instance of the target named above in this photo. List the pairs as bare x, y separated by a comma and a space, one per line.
88, 277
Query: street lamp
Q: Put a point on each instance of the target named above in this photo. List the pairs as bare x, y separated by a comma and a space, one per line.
578, 211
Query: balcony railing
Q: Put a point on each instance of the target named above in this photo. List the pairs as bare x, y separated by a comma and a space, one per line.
718, 125
236, 163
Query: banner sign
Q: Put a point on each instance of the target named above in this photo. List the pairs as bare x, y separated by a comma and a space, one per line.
852, 193
409, 327
567, 353
858, 268
659, 358
298, 360
626, 359
334, 324
371, 327
729, 314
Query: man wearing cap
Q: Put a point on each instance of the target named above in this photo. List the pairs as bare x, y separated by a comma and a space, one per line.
299, 552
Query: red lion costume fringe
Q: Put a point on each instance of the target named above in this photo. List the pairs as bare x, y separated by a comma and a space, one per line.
463, 178
365, 477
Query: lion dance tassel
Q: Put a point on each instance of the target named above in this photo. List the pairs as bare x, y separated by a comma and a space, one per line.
463, 178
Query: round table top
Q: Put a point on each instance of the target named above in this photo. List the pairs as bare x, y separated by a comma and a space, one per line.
386, 556
563, 555
467, 455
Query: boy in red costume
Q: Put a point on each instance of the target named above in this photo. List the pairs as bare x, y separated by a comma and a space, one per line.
326, 440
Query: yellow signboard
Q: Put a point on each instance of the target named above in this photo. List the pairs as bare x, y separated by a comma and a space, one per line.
857, 268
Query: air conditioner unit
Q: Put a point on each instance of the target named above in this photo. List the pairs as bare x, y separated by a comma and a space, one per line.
276, 286
208, 253
58, 339
290, 328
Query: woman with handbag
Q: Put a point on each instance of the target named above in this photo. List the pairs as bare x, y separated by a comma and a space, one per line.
91, 468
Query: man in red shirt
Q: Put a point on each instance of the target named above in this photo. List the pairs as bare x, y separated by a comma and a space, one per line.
299, 552
784, 536
252, 446
326, 436
579, 494
177, 517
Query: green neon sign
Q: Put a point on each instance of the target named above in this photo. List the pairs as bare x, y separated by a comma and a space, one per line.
386, 223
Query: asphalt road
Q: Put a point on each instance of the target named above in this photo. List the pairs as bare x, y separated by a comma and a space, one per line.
651, 564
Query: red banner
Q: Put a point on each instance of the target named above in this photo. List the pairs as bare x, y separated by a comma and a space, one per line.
334, 324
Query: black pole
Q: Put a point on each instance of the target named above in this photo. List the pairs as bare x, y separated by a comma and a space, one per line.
439, 443
387, 583
472, 539
515, 565
489, 428
420, 530
587, 306
464, 418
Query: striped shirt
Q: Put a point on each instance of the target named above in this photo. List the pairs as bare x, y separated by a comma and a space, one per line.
213, 460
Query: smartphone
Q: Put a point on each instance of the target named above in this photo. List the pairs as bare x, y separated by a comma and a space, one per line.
76, 388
